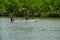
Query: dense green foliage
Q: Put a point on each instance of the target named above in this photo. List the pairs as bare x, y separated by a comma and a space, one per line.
41, 8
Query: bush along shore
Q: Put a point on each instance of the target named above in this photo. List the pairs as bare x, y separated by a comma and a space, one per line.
36, 8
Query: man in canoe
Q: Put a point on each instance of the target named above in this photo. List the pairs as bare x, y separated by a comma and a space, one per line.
13, 17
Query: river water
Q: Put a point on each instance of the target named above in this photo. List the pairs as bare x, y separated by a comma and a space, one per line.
33, 29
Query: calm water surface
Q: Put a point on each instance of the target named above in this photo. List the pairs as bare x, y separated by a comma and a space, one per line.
33, 29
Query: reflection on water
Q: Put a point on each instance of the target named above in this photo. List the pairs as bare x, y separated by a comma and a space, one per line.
21, 29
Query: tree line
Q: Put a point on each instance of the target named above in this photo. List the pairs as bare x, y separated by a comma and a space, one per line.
38, 8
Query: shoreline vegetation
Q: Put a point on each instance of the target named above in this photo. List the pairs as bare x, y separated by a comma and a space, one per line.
35, 8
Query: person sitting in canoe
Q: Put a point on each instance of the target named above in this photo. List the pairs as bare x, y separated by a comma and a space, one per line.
12, 17
27, 17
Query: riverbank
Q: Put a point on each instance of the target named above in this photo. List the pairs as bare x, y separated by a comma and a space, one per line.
32, 17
